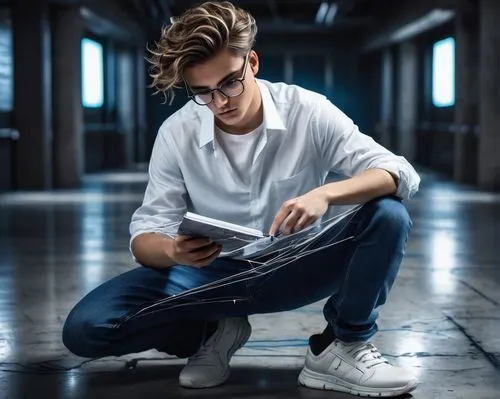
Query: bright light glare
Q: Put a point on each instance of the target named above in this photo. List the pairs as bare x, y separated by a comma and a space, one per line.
330, 15
443, 73
322, 10
92, 74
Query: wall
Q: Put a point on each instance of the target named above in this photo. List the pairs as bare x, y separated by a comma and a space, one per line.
47, 110
461, 141
489, 81
115, 140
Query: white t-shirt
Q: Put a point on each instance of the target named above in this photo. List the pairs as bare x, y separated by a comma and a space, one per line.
240, 150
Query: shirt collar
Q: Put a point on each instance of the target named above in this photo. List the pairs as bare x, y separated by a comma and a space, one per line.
272, 119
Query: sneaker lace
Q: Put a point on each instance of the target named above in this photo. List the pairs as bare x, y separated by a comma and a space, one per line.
367, 353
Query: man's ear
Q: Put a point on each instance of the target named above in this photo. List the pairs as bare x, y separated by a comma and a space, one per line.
253, 60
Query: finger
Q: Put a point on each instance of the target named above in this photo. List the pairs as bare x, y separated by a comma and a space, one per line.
304, 222
301, 223
193, 244
279, 219
309, 222
201, 253
214, 256
205, 252
183, 238
209, 259
291, 221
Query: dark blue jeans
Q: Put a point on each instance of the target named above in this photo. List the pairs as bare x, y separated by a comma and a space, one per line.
356, 275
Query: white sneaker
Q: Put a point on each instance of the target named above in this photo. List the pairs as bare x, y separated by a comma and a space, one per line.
357, 368
209, 367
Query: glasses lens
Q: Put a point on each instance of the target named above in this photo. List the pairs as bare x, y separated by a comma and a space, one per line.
232, 88
203, 99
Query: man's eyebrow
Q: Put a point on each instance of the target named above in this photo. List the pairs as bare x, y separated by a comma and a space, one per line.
228, 76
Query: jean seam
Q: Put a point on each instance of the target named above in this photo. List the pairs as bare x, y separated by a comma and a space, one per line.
343, 288
122, 319
125, 317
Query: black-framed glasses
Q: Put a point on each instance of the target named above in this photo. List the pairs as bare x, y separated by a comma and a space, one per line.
232, 87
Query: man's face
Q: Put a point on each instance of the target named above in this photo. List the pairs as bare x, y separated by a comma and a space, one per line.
223, 71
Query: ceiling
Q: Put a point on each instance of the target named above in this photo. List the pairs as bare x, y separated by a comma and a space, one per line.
290, 16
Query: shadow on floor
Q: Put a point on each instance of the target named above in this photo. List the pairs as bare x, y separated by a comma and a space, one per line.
161, 382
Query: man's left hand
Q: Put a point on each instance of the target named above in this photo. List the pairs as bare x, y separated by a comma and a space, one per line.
298, 213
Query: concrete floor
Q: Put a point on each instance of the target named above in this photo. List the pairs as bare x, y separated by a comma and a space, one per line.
442, 319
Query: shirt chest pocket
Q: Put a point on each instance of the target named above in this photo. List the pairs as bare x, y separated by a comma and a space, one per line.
294, 186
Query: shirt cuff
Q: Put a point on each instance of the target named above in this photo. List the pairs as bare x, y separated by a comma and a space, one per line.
408, 180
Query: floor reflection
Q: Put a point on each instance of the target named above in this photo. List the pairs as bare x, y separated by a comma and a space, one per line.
92, 243
443, 260
57, 246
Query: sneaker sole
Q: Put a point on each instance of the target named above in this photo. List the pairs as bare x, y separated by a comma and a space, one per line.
311, 379
242, 338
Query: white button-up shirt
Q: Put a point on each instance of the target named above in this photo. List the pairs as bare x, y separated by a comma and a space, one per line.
305, 137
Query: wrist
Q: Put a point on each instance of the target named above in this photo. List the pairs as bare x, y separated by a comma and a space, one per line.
326, 193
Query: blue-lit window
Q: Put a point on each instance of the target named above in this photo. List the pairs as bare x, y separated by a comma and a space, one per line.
6, 66
92, 74
443, 73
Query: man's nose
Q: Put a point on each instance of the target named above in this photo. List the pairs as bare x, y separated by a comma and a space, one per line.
220, 99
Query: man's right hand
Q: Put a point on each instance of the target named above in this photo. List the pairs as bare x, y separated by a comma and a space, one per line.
196, 252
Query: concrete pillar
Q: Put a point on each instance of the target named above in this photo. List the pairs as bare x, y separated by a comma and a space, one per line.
67, 30
489, 76
141, 154
125, 102
32, 88
387, 98
467, 92
407, 98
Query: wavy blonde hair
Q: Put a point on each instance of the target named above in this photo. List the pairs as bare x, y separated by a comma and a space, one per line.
196, 36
